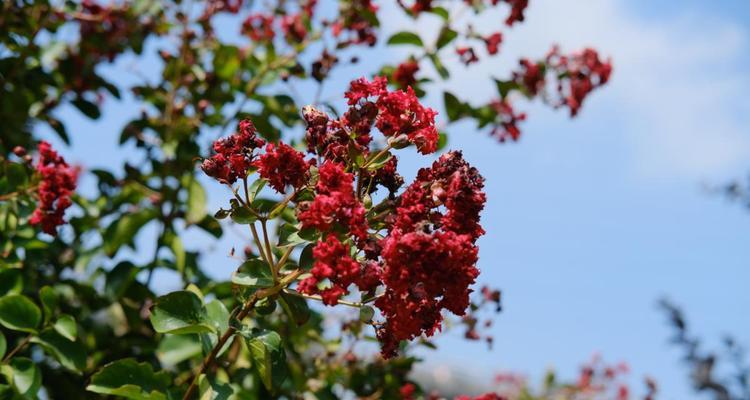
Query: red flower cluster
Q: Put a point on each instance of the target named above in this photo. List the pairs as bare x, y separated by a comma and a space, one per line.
294, 28
361, 88
430, 256
108, 29
283, 166
467, 55
234, 154
259, 27
531, 77
517, 7
507, 128
402, 114
334, 263
404, 74
394, 113
493, 42
355, 17
57, 185
334, 204
424, 273
583, 72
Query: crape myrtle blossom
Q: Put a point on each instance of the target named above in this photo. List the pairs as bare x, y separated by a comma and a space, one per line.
417, 248
57, 184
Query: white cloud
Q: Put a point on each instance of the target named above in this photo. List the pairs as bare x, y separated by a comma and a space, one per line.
676, 91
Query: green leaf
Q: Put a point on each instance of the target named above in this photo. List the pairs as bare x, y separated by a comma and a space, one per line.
24, 376
196, 202
129, 379
379, 161
242, 215
366, 313
226, 62
446, 36
16, 175
179, 313
124, 230
214, 390
405, 37
48, 297
504, 87
175, 244
119, 279
253, 273
454, 107
442, 141
218, 315
70, 354
19, 313
174, 349
289, 236
439, 67
211, 226
441, 12
268, 356
3, 345
11, 281
66, 326
88, 108
296, 307
306, 257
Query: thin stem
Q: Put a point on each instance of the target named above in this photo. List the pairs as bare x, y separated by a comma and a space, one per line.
246, 308
319, 298
283, 258
18, 348
268, 249
378, 155
256, 238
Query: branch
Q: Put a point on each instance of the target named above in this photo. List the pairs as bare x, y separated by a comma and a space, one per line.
239, 316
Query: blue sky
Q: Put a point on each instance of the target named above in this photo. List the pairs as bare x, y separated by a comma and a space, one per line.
590, 220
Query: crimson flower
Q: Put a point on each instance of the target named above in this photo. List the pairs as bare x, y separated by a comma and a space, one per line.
55, 189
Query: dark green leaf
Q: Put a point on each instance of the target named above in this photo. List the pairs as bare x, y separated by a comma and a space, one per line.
48, 297
504, 87
70, 354
179, 313
446, 36
405, 37
454, 107
19, 313
242, 215
3, 345
11, 281
442, 141
306, 257
439, 67
296, 307
119, 279
129, 379
269, 358
23, 375
253, 273
124, 229
88, 108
